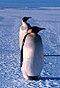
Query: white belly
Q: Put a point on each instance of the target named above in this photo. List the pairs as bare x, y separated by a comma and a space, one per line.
32, 55
21, 36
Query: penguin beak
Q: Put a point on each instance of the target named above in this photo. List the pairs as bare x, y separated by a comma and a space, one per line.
29, 17
41, 29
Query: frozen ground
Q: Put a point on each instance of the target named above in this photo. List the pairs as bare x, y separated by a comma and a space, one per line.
10, 21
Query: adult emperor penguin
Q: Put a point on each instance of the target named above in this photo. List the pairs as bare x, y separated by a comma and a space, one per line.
33, 56
23, 29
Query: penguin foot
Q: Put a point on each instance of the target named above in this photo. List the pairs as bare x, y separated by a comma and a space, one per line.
33, 78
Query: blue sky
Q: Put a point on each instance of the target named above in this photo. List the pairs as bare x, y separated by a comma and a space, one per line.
29, 3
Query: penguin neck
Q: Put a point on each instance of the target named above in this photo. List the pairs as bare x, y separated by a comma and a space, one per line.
24, 23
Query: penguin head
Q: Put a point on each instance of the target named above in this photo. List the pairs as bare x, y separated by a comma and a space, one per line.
24, 19
35, 29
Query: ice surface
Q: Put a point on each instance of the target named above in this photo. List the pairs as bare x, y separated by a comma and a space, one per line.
10, 21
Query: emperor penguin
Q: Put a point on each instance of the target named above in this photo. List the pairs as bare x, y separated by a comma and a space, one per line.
23, 29
33, 54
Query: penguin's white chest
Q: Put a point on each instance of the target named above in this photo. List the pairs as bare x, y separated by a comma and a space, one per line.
32, 55
22, 33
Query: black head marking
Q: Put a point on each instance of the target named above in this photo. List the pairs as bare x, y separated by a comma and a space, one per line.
25, 19
36, 29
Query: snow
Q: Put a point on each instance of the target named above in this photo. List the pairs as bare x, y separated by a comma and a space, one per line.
10, 21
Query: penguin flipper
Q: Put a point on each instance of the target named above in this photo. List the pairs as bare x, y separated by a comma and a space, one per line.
21, 58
